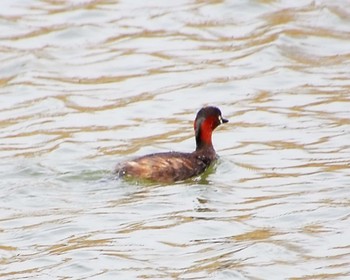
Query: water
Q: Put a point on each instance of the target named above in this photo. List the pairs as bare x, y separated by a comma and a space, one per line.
86, 84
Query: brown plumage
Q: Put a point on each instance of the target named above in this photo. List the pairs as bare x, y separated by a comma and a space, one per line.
176, 166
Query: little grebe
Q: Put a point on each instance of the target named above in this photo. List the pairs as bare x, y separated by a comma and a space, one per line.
176, 166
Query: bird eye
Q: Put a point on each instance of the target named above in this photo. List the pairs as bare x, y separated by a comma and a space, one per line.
220, 118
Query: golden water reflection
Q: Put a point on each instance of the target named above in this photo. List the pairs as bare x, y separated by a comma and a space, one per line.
85, 84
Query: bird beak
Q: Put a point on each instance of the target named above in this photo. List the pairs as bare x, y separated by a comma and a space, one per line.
222, 120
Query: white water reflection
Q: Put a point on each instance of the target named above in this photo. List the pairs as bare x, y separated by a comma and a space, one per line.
85, 84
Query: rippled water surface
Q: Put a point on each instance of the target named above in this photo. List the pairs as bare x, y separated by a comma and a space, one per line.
87, 84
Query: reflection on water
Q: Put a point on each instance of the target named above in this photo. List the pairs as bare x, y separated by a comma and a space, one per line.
85, 84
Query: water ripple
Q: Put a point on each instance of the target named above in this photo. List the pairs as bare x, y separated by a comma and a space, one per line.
85, 84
